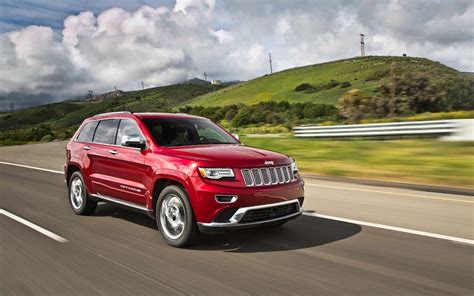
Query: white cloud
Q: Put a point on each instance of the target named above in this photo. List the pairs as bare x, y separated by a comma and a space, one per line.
227, 39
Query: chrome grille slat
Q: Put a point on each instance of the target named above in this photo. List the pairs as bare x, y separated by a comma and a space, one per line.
267, 176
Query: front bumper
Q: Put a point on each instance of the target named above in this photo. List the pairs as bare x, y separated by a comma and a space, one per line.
266, 214
208, 211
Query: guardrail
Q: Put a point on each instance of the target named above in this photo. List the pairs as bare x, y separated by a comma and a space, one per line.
454, 129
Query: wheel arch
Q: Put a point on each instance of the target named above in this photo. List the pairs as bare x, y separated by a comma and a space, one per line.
164, 181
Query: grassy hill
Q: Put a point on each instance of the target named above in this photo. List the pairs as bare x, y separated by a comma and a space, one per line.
362, 73
66, 114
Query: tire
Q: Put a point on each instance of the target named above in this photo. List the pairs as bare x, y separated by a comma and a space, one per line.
175, 217
79, 199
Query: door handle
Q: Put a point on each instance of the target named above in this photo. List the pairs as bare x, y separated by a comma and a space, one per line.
113, 152
86, 148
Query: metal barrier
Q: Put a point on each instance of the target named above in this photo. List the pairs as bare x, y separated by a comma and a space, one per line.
455, 129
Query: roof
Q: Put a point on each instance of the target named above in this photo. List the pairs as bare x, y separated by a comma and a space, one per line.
145, 115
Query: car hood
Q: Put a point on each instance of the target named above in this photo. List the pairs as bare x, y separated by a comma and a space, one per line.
235, 156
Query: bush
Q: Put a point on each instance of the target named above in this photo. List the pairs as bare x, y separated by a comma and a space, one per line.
356, 105
241, 119
345, 84
47, 138
269, 112
303, 87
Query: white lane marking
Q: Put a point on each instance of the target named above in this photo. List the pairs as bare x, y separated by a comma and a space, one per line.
34, 226
392, 193
32, 167
399, 229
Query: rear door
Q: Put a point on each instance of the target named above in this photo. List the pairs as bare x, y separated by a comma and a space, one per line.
101, 157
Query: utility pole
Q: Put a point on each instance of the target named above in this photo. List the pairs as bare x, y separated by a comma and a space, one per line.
143, 86
270, 61
205, 76
362, 45
12, 107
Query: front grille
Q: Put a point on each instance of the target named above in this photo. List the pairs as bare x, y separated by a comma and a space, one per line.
267, 176
269, 213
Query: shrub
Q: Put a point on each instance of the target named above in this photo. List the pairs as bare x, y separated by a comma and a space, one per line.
242, 118
345, 84
355, 105
303, 87
47, 138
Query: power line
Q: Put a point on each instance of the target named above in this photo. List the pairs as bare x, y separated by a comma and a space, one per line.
362, 45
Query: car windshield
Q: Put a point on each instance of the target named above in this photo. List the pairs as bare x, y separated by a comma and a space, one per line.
170, 132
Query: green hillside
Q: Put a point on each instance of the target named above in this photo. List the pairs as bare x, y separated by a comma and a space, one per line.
65, 114
362, 73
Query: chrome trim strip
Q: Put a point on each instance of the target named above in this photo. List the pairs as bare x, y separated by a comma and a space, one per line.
121, 202
240, 213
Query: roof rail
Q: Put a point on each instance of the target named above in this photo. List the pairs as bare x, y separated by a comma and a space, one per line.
117, 112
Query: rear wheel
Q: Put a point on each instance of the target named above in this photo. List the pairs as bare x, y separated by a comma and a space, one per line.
175, 217
79, 199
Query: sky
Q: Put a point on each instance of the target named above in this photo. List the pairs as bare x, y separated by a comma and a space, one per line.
55, 50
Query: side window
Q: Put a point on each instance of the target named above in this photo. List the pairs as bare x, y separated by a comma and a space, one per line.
105, 132
127, 128
87, 132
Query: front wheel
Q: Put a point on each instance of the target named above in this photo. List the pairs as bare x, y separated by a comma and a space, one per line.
79, 199
175, 217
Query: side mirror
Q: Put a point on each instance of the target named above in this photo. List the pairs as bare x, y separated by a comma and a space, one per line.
236, 136
133, 141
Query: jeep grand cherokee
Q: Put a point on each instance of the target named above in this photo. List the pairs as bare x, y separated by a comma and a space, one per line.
184, 171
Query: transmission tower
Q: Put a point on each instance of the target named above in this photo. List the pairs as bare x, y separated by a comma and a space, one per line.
362, 45
12, 107
270, 61
205, 76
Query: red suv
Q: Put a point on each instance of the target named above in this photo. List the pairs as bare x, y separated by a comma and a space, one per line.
185, 171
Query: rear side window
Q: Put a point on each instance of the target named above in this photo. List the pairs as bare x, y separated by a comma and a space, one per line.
87, 132
106, 131
127, 128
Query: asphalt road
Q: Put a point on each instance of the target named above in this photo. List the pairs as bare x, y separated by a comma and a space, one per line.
120, 252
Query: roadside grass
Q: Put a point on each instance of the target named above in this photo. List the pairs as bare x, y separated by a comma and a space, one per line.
425, 161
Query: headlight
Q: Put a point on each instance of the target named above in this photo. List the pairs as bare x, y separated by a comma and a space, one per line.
216, 173
294, 167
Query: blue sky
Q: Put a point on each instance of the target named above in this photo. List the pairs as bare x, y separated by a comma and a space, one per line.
16, 14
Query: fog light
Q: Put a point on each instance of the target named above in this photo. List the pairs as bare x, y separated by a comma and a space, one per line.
226, 198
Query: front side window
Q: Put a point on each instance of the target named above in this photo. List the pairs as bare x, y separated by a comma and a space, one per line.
186, 131
105, 132
127, 128
87, 132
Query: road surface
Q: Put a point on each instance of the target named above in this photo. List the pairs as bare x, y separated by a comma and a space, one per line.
418, 243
